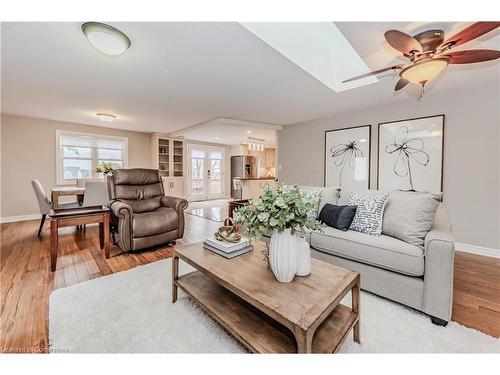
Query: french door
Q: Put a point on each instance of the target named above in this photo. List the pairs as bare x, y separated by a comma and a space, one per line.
205, 172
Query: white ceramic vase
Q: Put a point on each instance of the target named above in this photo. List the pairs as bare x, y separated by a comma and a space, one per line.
303, 256
283, 255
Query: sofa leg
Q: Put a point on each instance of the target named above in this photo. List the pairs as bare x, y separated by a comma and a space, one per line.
439, 322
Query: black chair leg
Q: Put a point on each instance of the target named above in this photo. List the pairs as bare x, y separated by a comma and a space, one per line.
439, 322
41, 224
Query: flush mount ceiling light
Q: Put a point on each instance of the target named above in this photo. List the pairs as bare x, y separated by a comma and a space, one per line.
106, 38
106, 117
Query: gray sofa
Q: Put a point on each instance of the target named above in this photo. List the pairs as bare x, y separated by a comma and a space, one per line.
421, 278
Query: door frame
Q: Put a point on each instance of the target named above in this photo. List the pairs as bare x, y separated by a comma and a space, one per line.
206, 180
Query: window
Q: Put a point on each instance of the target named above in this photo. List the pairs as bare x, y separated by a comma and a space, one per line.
79, 154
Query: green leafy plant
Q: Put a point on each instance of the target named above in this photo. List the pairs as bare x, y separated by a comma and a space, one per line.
106, 169
278, 208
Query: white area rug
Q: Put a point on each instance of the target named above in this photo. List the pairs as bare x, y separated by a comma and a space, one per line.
132, 312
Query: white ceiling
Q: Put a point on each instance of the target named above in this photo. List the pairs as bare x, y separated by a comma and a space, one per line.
231, 132
179, 74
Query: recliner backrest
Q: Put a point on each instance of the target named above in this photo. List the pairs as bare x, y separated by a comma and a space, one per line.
141, 189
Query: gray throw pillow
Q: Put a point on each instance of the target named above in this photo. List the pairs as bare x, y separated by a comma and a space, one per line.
369, 212
409, 215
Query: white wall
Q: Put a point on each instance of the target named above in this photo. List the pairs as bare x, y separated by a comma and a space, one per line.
28, 150
471, 161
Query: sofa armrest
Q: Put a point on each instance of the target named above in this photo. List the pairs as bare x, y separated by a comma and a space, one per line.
124, 213
179, 205
439, 260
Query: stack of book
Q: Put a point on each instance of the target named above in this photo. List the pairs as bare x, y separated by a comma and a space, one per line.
228, 249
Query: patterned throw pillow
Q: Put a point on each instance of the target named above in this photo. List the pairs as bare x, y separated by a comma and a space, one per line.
369, 213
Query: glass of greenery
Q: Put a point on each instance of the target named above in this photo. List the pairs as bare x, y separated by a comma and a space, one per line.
278, 208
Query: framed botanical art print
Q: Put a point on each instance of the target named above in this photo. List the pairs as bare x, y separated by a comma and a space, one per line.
410, 154
347, 157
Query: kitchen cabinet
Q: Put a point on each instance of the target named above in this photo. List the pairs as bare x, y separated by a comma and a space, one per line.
270, 154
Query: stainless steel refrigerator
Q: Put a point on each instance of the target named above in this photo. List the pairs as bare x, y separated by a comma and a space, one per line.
244, 166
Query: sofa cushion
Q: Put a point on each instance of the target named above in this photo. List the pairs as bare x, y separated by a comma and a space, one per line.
409, 215
381, 251
162, 220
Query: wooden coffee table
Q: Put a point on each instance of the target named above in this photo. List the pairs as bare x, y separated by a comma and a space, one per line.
267, 316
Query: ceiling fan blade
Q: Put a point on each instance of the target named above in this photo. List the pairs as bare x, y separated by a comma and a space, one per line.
402, 42
472, 56
394, 67
401, 83
472, 32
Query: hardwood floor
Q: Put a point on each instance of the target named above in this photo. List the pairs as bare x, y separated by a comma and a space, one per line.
26, 280
476, 294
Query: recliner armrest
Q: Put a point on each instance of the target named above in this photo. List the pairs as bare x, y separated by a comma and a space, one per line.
178, 204
120, 209
124, 214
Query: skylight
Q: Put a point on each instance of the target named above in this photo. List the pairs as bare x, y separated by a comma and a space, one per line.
317, 47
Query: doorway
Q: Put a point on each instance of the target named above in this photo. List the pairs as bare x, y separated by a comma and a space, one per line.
205, 172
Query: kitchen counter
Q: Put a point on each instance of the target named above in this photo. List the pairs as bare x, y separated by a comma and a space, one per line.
251, 187
255, 178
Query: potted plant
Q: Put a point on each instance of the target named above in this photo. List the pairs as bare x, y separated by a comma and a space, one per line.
106, 169
281, 212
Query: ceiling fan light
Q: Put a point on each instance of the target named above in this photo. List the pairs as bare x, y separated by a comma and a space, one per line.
106, 38
424, 70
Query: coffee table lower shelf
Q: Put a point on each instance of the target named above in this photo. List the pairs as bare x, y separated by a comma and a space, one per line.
252, 328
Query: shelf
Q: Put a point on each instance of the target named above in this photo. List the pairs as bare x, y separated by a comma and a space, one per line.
169, 155
254, 329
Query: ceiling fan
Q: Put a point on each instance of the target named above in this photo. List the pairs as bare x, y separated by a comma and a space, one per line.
429, 53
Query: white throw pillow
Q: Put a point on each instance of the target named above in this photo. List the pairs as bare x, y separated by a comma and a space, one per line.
369, 213
409, 215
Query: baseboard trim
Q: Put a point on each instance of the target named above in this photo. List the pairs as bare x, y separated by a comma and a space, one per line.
11, 219
478, 250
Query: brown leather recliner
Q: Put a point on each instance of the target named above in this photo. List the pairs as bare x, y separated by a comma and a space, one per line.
141, 213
